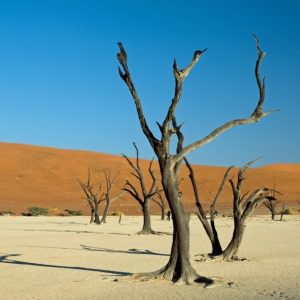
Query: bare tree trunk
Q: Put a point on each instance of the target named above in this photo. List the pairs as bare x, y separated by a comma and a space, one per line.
231, 251
106, 211
92, 220
212, 235
273, 215
282, 212
163, 213
96, 213
179, 267
147, 220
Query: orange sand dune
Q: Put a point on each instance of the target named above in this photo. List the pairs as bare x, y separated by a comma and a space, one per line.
47, 177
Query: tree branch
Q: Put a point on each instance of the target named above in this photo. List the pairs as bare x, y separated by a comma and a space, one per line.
256, 115
125, 75
179, 75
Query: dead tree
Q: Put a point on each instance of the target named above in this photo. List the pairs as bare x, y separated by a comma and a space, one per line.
242, 209
282, 211
110, 180
179, 268
208, 225
161, 201
92, 198
271, 206
243, 206
145, 196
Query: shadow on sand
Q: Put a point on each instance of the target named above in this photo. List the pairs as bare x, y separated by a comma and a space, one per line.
129, 251
70, 231
5, 259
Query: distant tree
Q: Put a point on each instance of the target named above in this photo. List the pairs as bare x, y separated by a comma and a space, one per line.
162, 202
145, 195
92, 197
110, 180
271, 205
282, 211
179, 268
243, 206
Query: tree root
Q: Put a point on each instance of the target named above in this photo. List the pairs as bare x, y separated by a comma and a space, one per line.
166, 275
209, 257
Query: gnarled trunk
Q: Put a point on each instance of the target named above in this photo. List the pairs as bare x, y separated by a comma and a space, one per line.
179, 268
96, 214
147, 219
231, 251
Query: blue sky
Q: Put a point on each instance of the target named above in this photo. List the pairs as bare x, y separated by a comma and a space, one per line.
60, 86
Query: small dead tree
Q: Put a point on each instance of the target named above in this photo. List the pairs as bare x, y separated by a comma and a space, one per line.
282, 211
243, 206
271, 205
92, 198
161, 201
145, 196
179, 268
110, 180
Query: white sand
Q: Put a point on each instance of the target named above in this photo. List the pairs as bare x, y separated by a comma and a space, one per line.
67, 258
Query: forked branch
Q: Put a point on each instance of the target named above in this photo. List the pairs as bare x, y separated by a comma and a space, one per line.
256, 115
125, 75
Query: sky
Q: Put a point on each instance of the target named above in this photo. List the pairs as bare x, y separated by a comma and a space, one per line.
59, 84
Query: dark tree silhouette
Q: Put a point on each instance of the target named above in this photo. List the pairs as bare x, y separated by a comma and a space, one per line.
271, 206
161, 201
92, 197
179, 268
145, 196
110, 180
243, 206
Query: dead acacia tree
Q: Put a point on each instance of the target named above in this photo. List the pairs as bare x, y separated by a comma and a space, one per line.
271, 206
243, 206
161, 201
145, 196
92, 198
110, 180
208, 223
179, 268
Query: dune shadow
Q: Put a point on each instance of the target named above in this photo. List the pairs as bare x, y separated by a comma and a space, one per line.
5, 259
129, 251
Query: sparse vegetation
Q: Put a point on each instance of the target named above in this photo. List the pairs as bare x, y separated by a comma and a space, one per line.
73, 212
6, 213
37, 211
291, 211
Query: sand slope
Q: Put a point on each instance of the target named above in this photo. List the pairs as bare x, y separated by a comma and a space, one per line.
42, 176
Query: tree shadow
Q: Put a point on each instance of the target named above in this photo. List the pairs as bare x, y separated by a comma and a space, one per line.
5, 259
129, 251
71, 231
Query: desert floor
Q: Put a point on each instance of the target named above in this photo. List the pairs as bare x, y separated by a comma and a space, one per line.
67, 258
